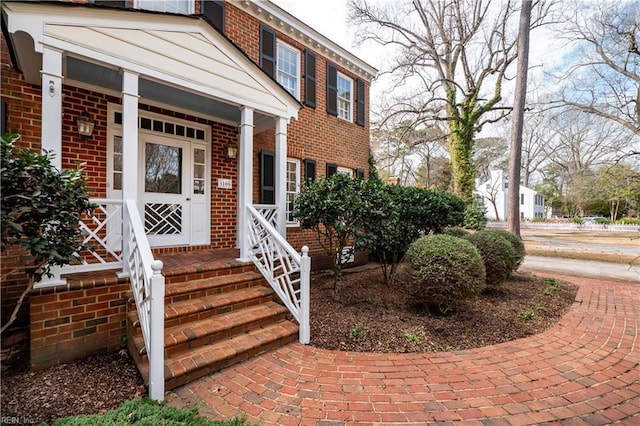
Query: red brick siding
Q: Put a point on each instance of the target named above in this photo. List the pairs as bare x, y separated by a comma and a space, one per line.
316, 134
23, 116
70, 324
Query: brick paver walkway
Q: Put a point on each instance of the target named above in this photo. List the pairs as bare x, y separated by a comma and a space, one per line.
583, 371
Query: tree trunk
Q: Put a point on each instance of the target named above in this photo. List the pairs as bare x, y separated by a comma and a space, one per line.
515, 156
461, 151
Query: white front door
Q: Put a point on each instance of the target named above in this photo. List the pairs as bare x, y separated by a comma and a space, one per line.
166, 192
174, 182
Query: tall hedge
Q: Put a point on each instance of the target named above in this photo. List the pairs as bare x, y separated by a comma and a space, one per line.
407, 213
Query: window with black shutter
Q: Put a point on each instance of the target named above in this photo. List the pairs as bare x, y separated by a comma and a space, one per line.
332, 169
267, 178
360, 102
268, 50
113, 3
332, 89
214, 11
309, 170
309, 79
360, 173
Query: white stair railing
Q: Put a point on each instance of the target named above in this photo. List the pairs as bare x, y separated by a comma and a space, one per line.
286, 270
102, 232
147, 284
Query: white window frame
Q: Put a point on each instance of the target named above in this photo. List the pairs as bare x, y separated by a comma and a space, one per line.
291, 195
345, 171
296, 52
161, 6
345, 113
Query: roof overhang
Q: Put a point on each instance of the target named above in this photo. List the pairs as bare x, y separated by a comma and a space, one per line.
174, 56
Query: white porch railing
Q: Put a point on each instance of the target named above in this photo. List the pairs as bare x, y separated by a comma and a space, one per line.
287, 272
269, 212
103, 234
147, 284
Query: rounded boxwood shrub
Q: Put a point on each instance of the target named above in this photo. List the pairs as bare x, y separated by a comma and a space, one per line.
498, 255
441, 270
455, 231
516, 243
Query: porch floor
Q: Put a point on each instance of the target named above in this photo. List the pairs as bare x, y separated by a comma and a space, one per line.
178, 263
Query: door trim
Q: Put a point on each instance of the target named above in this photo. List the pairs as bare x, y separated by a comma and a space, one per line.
113, 130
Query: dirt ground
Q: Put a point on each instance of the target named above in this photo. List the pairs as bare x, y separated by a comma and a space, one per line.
92, 385
375, 317
604, 246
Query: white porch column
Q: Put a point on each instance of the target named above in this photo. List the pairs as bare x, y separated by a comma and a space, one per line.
52, 103
130, 151
245, 179
281, 174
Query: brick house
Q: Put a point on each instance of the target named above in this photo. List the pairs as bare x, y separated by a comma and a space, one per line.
192, 109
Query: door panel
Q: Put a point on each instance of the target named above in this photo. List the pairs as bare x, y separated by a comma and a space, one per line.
200, 232
166, 195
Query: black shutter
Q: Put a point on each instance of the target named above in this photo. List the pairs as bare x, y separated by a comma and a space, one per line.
360, 102
309, 170
113, 3
267, 178
360, 173
3, 118
309, 79
332, 169
214, 11
268, 50
332, 89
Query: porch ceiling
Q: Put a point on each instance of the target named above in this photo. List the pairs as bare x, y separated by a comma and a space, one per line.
182, 61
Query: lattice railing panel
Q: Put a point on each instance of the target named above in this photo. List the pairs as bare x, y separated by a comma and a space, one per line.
162, 218
278, 262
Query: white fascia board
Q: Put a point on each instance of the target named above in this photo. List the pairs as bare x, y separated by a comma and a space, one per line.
273, 15
33, 18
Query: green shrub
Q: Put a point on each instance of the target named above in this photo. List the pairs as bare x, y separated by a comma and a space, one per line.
601, 221
577, 220
336, 209
539, 220
441, 270
455, 231
407, 213
145, 412
516, 243
628, 221
475, 214
498, 256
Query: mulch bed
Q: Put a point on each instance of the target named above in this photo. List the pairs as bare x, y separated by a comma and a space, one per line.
89, 386
373, 316
370, 317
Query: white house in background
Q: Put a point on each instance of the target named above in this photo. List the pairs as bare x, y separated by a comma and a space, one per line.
494, 194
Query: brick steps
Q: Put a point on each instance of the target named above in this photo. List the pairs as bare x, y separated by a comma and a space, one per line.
212, 323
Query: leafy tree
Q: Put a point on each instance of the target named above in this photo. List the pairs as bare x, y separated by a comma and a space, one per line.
455, 55
407, 213
40, 211
335, 209
475, 214
490, 154
619, 189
